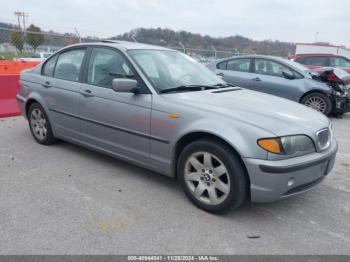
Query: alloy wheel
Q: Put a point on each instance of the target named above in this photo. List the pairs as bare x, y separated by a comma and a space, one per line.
207, 178
317, 103
38, 124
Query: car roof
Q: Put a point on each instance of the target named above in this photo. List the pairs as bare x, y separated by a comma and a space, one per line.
124, 45
276, 58
313, 55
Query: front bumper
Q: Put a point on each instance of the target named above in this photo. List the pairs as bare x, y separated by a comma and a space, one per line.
274, 180
341, 104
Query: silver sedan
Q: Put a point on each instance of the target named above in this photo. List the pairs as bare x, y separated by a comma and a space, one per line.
158, 108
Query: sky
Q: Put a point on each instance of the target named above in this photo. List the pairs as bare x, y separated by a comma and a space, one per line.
291, 21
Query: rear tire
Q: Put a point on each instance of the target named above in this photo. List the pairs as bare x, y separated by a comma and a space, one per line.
212, 175
39, 125
319, 102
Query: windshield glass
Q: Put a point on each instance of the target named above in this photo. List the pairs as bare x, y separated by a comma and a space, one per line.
298, 66
169, 69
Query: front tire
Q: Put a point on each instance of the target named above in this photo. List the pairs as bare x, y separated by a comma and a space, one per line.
39, 125
212, 175
319, 102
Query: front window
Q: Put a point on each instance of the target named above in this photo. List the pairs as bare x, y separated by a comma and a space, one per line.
105, 65
268, 67
168, 69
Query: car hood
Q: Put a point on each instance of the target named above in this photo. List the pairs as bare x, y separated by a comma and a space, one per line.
271, 113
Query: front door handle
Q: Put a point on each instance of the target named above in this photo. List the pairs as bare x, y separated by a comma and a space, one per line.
220, 74
87, 93
257, 79
46, 84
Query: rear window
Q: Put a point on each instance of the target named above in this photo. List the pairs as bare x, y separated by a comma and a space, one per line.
49, 66
69, 64
241, 65
222, 65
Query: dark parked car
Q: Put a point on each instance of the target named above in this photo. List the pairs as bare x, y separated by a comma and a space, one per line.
286, 78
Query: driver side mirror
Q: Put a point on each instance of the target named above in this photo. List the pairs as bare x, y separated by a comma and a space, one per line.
124, 85
288, 74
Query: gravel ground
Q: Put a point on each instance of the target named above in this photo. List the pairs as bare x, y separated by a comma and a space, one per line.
64, 199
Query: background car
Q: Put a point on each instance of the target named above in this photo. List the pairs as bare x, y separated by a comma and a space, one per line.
314, 61
40, 56
284, 78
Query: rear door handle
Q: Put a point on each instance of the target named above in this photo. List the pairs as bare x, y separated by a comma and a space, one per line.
256, 79
87, 93
220, 74
46, 84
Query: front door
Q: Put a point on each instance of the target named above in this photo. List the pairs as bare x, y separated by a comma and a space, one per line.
114, 121
268, 78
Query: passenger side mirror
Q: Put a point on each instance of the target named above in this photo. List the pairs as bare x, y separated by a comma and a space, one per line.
124, 85
288, 74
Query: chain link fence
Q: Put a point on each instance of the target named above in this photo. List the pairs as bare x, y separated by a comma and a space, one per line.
30, 45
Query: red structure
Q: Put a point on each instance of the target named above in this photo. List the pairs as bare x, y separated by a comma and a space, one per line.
9, 77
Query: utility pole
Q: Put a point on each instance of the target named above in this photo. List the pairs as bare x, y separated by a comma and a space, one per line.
23, 15
215, 52
183, 47
76, 31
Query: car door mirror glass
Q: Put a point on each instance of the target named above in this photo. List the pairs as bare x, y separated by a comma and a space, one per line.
124, 85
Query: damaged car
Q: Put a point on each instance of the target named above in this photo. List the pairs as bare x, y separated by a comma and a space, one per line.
326, 91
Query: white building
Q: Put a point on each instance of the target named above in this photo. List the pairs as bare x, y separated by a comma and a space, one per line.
321, 48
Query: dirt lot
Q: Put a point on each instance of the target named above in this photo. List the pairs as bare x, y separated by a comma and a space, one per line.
64, 199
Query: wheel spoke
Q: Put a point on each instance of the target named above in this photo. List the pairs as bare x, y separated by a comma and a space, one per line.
220, 170
195, 163
195, 176
198, 192
224, 188
207, 160
212, 195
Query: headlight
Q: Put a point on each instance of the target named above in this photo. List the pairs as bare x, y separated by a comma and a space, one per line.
288, 145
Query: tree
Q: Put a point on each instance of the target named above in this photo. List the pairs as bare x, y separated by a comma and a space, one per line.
17, 40
35, 38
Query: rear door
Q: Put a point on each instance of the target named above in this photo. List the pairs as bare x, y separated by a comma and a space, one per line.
60, 80
114, 121
268, 78
236, 71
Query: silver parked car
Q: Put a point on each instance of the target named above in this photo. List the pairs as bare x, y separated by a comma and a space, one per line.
160, 109
284, 78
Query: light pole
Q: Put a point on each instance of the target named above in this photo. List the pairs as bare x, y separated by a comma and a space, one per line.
215, 52
183, 47
76, 31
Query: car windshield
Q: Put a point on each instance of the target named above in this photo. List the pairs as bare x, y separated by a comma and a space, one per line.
298, 66
169, 69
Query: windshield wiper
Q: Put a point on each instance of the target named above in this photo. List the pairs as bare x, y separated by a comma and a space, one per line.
222, 85
187, 88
